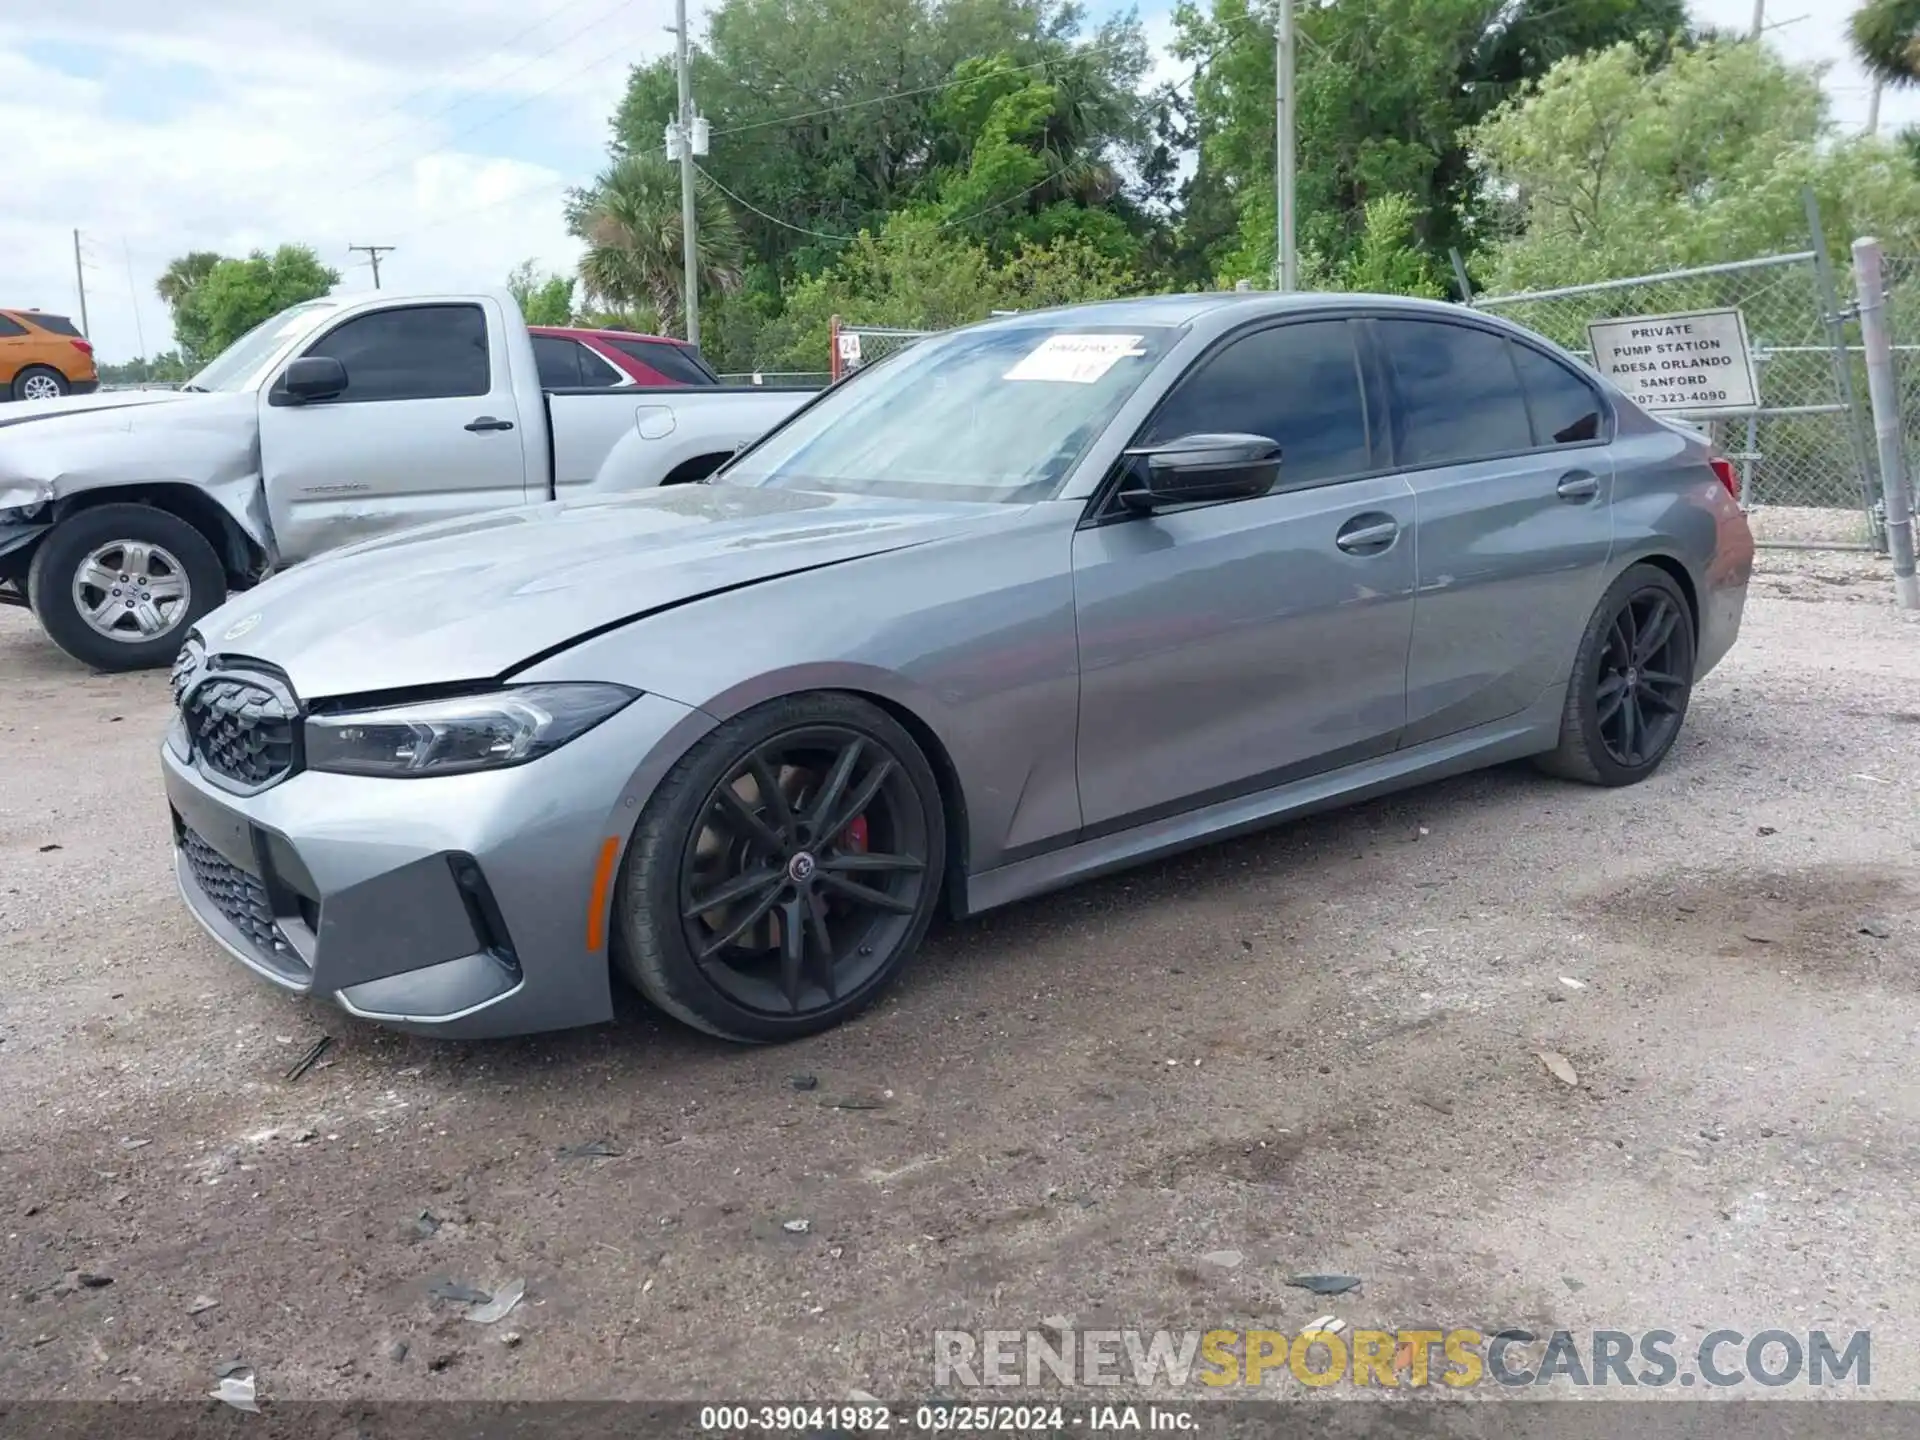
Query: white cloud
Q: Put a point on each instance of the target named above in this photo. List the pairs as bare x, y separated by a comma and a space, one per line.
449, 130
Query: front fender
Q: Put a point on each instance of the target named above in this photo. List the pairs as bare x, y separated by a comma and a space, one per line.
209, 445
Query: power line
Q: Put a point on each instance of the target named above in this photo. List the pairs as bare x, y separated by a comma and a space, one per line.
493, 119
499, 49
531, 61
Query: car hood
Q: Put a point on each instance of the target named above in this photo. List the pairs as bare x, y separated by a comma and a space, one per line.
475, 599
68, 407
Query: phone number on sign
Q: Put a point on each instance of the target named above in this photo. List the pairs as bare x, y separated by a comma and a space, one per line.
962, 1419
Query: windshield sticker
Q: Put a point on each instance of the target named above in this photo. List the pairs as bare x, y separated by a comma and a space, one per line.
1075, 359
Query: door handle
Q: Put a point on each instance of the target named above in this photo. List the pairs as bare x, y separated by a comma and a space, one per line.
1577, 485
1367, 534
487, 422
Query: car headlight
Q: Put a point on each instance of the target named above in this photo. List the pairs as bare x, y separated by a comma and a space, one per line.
453, 737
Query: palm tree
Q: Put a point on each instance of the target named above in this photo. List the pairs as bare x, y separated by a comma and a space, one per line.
183, 274
1886, 37
630, 219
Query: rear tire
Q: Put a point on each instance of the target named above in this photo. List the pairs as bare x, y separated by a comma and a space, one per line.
1632, 680
784, 872
40, 382
142, 575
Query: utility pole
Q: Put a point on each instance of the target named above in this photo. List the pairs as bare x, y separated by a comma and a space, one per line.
139, 326
80, 279
1759, 18
1286, 263
689, 240
374, 252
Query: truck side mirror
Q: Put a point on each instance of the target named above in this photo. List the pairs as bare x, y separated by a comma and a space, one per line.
311, 377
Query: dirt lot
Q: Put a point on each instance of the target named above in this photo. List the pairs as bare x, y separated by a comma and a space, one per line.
1312, 1050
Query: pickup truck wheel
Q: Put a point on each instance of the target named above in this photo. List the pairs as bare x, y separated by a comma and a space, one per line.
117, 586
38, 382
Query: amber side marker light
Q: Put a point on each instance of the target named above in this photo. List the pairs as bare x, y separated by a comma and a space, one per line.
597, 903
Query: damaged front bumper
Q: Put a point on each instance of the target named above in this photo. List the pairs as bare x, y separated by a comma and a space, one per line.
454, 906
20, 526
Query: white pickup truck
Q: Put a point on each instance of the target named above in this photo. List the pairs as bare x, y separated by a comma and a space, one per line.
124, 517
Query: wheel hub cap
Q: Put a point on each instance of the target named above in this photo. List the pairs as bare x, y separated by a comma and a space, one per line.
130, 591
801, 867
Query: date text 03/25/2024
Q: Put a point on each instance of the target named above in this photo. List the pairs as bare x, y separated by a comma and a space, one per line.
762, 1420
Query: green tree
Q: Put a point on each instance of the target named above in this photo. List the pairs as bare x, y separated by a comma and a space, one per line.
180, 277
544, 299
165, 368
1613, 166
1886, 37
830, 115
230, 297
630, 220
1387, 92
918, 274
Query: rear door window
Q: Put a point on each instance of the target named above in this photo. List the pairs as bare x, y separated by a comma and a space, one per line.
10, 328
1457, 392
1296, 384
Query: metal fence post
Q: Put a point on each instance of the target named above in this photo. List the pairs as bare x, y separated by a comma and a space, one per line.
1460, 276
1836, 323
1896, 497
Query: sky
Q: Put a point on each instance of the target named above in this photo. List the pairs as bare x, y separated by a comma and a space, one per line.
449, 131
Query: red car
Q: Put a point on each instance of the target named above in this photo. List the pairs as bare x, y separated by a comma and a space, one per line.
571, 359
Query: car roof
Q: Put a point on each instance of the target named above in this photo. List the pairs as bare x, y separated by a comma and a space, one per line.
23, 314
575, 331
1230, 307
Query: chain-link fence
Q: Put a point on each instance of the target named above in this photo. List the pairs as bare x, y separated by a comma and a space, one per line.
1806, 470
783, 379
857, 346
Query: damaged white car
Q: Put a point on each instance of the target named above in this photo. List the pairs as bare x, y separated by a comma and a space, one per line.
125, 517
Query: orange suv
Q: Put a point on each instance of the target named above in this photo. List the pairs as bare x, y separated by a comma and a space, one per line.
43, 356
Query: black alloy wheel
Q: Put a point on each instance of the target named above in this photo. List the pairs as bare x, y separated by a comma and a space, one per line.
1641, 692
785, 871
1632, 680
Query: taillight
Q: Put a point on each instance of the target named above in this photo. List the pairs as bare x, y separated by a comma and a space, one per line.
85, 347
1724, 469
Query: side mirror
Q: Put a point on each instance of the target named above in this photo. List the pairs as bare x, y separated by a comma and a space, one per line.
1199, 468
311, 377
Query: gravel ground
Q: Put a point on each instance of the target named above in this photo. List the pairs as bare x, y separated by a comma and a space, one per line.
1143, 1102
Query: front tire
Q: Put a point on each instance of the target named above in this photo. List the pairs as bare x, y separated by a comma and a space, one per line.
118, 586
1631, 683
40, 382
784, 872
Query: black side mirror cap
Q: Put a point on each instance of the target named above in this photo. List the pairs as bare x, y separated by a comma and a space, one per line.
311, 377
1198, 469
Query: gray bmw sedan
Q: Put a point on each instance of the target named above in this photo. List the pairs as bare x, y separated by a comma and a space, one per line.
1027, 602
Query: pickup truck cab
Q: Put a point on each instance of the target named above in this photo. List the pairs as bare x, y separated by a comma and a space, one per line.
126, 516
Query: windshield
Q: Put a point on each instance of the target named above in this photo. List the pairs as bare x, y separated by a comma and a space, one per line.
236, 365
990, 414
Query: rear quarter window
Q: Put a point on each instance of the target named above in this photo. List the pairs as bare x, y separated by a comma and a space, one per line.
677, 363
56, 325
1565, 408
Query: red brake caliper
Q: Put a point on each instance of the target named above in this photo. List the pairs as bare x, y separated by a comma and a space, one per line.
857, 834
